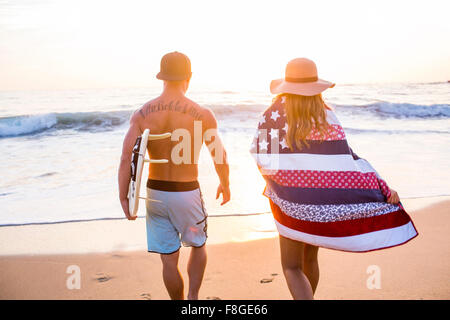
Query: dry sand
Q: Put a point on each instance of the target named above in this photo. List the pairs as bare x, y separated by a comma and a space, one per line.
245, 270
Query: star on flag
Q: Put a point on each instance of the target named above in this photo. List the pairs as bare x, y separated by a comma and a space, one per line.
284, 144
273, 133
263, 145
275, 115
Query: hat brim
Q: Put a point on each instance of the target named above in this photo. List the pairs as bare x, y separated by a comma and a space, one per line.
300, 88
167, 77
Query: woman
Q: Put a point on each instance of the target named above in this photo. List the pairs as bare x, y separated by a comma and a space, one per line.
321, 193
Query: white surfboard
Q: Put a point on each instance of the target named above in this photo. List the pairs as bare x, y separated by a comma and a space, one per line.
137, 165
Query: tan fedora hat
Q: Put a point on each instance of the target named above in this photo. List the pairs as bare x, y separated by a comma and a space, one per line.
301, 79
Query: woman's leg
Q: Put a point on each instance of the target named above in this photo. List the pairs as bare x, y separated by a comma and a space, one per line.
291, 262
311, 265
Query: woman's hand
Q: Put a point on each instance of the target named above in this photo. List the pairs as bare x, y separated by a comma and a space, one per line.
393, 198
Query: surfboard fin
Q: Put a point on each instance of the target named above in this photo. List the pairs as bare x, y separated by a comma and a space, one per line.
153, 200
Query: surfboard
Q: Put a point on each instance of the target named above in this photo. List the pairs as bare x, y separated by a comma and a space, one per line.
137, 164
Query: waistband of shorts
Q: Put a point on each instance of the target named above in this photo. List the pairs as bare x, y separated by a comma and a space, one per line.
172, 186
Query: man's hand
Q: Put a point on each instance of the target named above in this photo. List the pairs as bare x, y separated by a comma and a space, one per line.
225, 194
394, 198
126, 210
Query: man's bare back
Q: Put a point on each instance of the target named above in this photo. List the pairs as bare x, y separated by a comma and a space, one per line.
173, 112
167, 114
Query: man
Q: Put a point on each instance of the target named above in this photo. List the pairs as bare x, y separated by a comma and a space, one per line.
179, 215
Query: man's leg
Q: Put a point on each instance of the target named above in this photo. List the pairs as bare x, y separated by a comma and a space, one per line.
292, 264
171, 276
196, 269
311, 265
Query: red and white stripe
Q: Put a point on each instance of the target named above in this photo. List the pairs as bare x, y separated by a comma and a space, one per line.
373, 233
326, 179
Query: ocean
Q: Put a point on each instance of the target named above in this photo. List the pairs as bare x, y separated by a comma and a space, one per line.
60, 150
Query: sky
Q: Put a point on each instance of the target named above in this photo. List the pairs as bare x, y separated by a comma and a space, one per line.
67, 44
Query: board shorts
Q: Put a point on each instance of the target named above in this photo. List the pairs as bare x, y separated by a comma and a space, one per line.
178, 219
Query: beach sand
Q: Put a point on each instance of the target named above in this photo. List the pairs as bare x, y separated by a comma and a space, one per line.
235, 270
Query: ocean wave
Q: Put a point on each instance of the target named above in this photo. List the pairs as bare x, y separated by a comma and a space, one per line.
83, 121
22, 125
401, 110
96, 121
381, 108
102, 121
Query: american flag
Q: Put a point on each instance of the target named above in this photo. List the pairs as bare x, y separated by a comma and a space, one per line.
324, 194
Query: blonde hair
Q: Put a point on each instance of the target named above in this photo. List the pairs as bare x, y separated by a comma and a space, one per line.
303, 115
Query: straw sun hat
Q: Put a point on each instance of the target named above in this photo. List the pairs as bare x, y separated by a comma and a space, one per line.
300, 78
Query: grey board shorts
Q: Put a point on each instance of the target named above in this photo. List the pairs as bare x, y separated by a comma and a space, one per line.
178, 218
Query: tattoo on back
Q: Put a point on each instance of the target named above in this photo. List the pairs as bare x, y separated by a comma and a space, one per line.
176, 106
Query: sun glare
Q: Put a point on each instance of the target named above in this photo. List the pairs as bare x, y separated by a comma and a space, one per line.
244, 44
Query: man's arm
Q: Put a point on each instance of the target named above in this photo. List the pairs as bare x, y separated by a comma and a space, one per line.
125, 160
219, 156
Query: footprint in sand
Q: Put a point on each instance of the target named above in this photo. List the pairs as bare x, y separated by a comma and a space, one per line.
146, 296
213, 298
101, 277
267, 280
